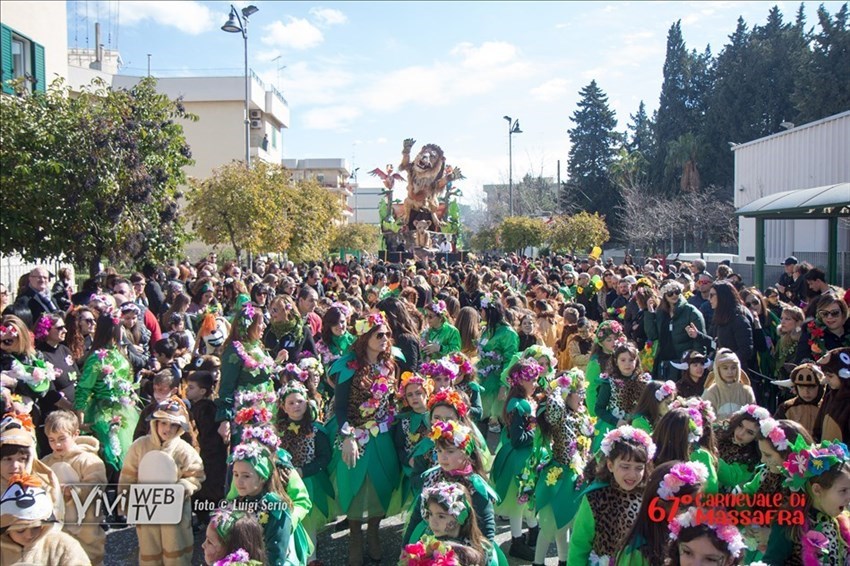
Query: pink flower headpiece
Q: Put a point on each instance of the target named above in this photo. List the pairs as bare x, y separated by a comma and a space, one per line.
567, 382
263, 434
293, 371
11, 331
682, 474
525, 370
438, 307
464, 365
757, 412
771, 430
442, 367
729, 534
43, 328
628, 433
343, 308
667, 389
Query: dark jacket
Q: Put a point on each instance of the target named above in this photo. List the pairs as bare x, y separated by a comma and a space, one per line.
737, 335
830, 341
658, 326
38, 304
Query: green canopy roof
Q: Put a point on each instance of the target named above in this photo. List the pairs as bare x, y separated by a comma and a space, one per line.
830, 201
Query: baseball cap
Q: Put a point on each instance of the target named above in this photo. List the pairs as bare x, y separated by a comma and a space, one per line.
790, 260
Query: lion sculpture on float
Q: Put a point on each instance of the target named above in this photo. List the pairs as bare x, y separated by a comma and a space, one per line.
425, 180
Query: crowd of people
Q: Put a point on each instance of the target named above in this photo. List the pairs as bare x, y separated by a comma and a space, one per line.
570, 398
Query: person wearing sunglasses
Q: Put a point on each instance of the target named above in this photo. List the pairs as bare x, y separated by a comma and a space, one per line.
50, 334
830, 329
666, 321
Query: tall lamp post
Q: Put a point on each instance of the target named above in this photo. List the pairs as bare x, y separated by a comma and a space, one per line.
513, 128
235, 24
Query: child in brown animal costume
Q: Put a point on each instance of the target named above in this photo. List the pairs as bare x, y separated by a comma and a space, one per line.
803, 407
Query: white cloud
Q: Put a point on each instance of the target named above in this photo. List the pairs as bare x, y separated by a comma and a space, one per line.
328, 16
297, 33
489, 54
330, 117
550, 90
191, 17
305, 85
381, 140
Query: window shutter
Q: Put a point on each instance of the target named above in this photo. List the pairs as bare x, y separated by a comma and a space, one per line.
6, 70
38, 67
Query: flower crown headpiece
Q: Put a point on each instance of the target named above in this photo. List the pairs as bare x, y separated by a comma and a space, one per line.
410, 378
293, 371
250, 399
757, 412
10, 330
238, 557
537, 351
772, 432
449, 495
223, 520
628, 433
525, 370
571, 381
438, 307
452, 398
343, 308
458, 434
812, 462
246, 318
680, 475
487, 300
263, 434
252, 416
729, 534
643, 281
256, 455
290, 387
130, 307
312, 366
43, 328
442, 367
667, 389
609, 328
373, 319
428, 552
462, 362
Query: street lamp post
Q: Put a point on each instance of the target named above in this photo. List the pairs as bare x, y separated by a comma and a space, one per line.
235, 24
513, 128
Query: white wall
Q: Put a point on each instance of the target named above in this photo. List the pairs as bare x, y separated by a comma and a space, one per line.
45, 23
807, 156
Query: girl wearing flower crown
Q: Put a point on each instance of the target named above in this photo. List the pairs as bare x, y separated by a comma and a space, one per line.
295, 372
514, 451
777, 439
822, 472
246, 367
365, 460
685, 433
567, 428
441, 338
653, 404
619, 390
467, 382
458, 461
737, 446
230, 531
646, 542
450, 517
498, 344
411, 424
610, 504
695, 542
307, 442
258, 488
606, 338
336, 338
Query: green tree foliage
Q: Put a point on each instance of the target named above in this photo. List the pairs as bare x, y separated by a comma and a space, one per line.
92, 176
314, 211
577, 233
486, 238
363, 237
594, 142
683, 155
823, 87
641, 134
520, 232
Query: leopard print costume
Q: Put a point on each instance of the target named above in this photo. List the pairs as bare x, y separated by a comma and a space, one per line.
625, 393
732, 453
411, 438
833, 557
614, 512
361, 392
301, 446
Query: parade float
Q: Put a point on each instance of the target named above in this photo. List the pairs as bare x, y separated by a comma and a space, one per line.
428, 220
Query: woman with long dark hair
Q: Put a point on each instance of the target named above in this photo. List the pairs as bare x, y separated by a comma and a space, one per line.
105, 399
666, 321
405, 336
365, 459
731, 325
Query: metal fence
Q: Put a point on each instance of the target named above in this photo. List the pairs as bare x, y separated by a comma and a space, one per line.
12, 268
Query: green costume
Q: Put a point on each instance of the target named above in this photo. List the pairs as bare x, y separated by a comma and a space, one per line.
447, 336
591, 374
631, 555
704, 456
615, 511
277, 527
495, 351
311, 453
106, 394
409, 429
641, 422
372, 480
782, 549
513, 453
237, 377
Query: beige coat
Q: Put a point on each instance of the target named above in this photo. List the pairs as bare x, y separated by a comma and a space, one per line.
89, 468
52, 547
727, 398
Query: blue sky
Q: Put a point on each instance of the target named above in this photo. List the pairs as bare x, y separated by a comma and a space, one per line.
362, 76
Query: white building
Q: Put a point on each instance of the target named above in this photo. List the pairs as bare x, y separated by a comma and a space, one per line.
365, 204
811, 155
33, 43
